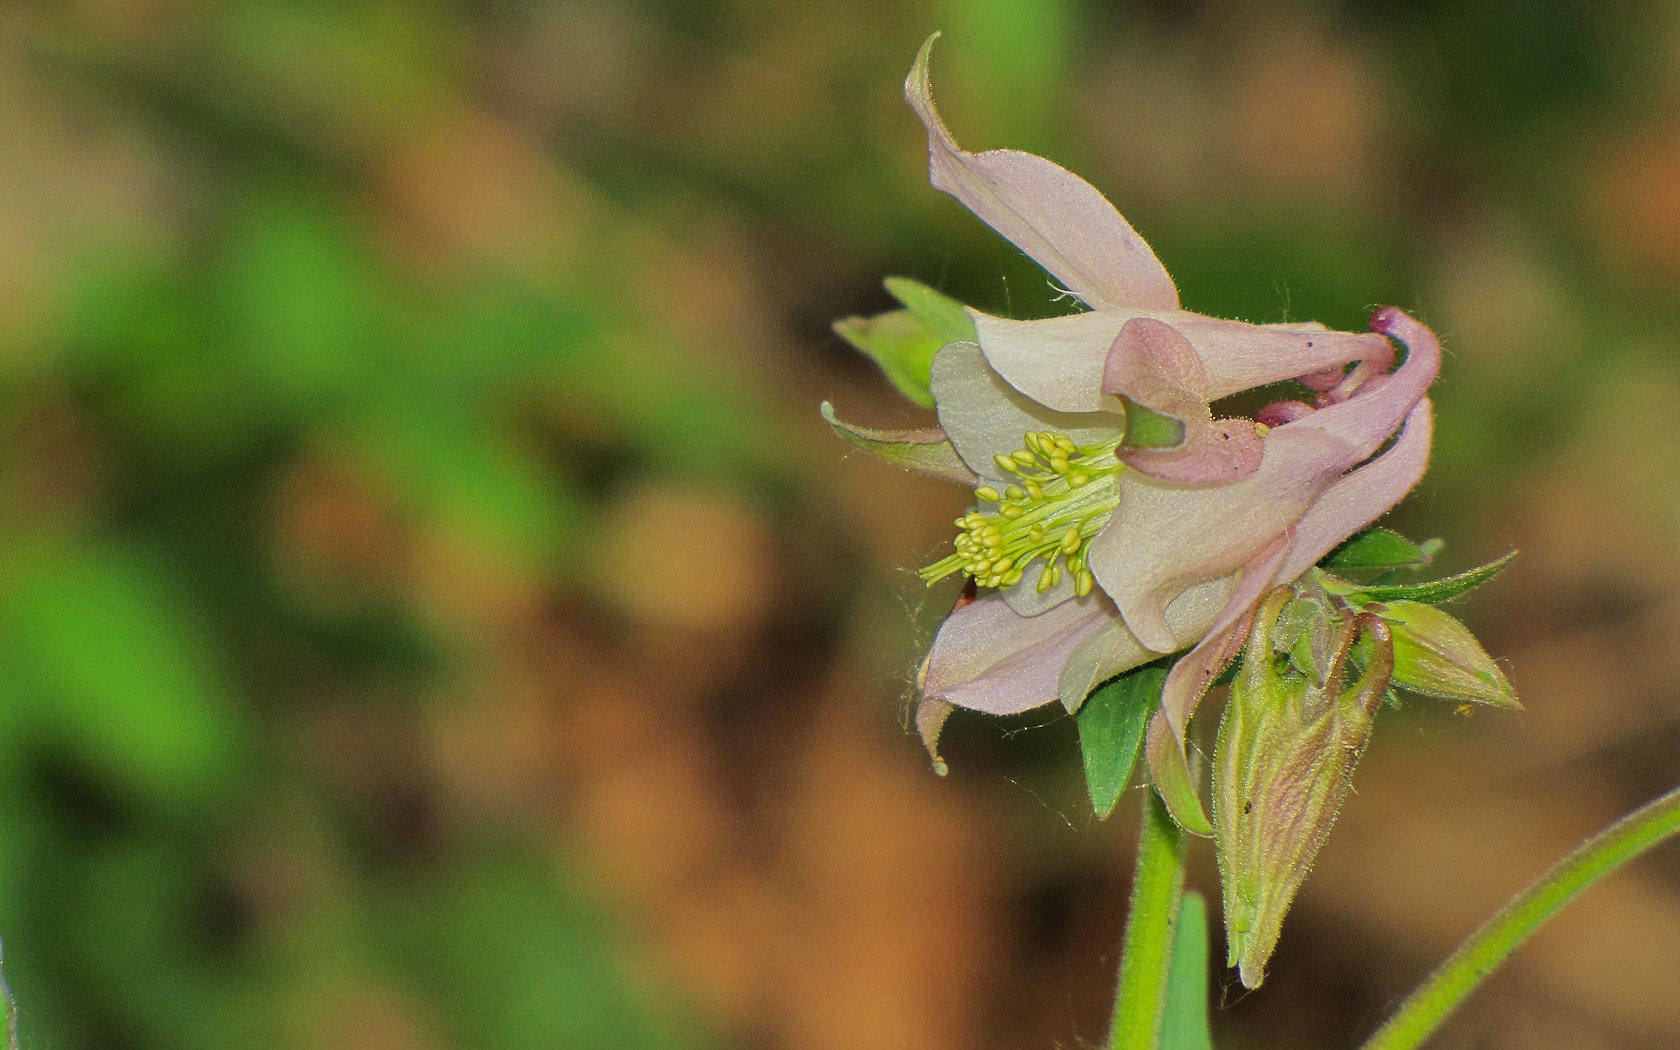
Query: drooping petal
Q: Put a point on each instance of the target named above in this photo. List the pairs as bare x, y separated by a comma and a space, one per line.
1362, 496
1190, 677
931, 715
989, 658
925, 451
984, 416
1059, 361
1053, 215
1188, 681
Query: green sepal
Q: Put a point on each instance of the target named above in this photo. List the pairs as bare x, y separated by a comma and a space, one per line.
924, 451
1436, 655
1111, 725
1430, 592
903, 342
945, 318
1380, 549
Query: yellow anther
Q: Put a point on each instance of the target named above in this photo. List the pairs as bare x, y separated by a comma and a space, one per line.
1057, 489
1083, 583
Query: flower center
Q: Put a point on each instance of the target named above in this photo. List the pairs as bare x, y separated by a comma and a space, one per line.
1066, 494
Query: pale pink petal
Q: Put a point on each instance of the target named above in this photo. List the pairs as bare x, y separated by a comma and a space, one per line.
1278, 413
1053, 215
1059, 361
1191, 676
1152, 365
989, 658
1215, 451
1361, 496
930, 721
1163, 537
1027, 600
1113, 649
1189, 680
984, 416
924, 451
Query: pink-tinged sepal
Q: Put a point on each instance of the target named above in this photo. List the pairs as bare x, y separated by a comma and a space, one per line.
1053, 215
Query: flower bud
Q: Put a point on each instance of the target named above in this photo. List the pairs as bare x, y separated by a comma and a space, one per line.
1436, 655
1285, 756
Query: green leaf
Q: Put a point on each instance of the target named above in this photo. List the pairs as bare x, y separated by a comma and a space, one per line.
1377, 549
1432, 592
944, 318
118, 668
1111, 725
1184, 1018
903, 342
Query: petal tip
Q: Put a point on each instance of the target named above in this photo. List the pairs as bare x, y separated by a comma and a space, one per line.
1386, 318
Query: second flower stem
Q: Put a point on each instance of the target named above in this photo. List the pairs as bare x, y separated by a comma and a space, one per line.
1477, 957
1147, 947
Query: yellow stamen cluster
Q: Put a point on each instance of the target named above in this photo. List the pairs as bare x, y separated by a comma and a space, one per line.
1065, 494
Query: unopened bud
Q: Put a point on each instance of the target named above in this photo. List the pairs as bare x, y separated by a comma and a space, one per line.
1285, 756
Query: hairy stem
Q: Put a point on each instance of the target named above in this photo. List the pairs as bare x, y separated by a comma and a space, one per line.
1147, 948
1464, 970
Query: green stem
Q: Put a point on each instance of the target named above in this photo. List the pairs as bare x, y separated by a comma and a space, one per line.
1147, 949
1477, 957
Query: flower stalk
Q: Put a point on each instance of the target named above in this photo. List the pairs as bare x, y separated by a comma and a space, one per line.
1146, 956
1464, 970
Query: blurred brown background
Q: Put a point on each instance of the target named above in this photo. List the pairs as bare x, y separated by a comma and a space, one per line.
432, 613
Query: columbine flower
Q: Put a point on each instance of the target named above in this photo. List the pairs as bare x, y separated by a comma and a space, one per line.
1103, 547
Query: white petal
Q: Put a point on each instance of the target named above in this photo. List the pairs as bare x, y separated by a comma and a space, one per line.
1045, 210
984, 416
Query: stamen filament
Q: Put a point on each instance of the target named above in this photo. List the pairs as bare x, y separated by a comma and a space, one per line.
1065, 495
